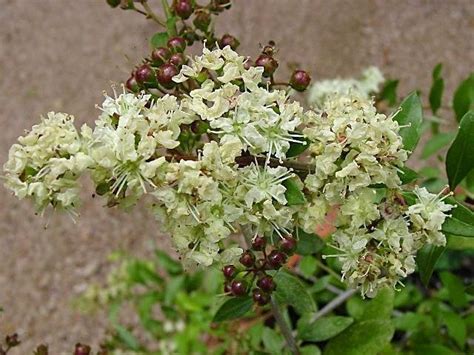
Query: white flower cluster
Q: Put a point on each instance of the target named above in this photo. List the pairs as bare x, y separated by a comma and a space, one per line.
234, 181
45, 163
367, 84
357, 154
242, 113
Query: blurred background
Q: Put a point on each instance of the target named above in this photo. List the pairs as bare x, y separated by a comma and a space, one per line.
61, 54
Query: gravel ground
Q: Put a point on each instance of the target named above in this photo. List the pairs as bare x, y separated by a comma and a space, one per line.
60, 55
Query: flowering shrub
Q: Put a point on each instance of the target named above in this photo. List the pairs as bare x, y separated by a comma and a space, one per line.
244, 176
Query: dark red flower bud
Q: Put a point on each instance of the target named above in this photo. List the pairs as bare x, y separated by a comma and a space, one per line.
132, 84
288, 244
229, 40
177, 59
259, 243
183, 8
260, 297
276, 259
300, 80
247, 259
229, 271
239, 288
144, 74
248, 63
160, 55
12, 340
82, 349
266, 283
202, 20
113, 3
165, 75
177, 44
268, 63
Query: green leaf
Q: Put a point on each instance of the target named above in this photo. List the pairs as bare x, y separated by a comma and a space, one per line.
455, 288
411, 322
456, 327
297, 148
433, 349
436, 143
142, 272
291, 291
233, 308
355, 307
308, 243
426, 260
310, 350
127, 337
324, 328
389, 92
463, 99
410, 116
437, 71
367, 337
461, 222
381, 306
407, 175
437, 88
159, 39
459, 243
170, 265
308, 265
272, 341
459, 160
293, 194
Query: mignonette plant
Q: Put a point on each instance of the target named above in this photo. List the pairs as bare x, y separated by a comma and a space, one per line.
271, 191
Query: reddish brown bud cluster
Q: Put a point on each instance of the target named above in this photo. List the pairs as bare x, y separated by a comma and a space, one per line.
254, 266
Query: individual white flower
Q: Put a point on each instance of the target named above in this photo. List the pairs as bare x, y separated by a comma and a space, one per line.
429, 214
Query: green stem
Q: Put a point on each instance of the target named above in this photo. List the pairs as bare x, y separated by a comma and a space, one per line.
328, 270
285, 329
166, 8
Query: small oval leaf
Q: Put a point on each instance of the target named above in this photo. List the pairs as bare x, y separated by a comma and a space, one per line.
233, 308
410, 116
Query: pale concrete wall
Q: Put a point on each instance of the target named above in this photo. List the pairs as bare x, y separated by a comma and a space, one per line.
60, 54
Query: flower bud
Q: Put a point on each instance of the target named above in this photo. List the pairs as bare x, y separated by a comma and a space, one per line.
82, 349
260, 297
144, 74
177, 59
132, 84
229, 271
202, 20
276, 259
177, 44
229, 40
239, 287
41, 350
266, 283
268, 63
247, 259
113, 3
12, 340
300, 80
183, 8
160, 55
259, 243
165, 75
288, 244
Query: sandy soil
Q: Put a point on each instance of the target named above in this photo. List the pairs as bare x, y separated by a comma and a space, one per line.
60, 55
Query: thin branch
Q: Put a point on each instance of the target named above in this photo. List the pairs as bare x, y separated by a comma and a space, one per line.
151, 14
333, 304
299, 168
285, 329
